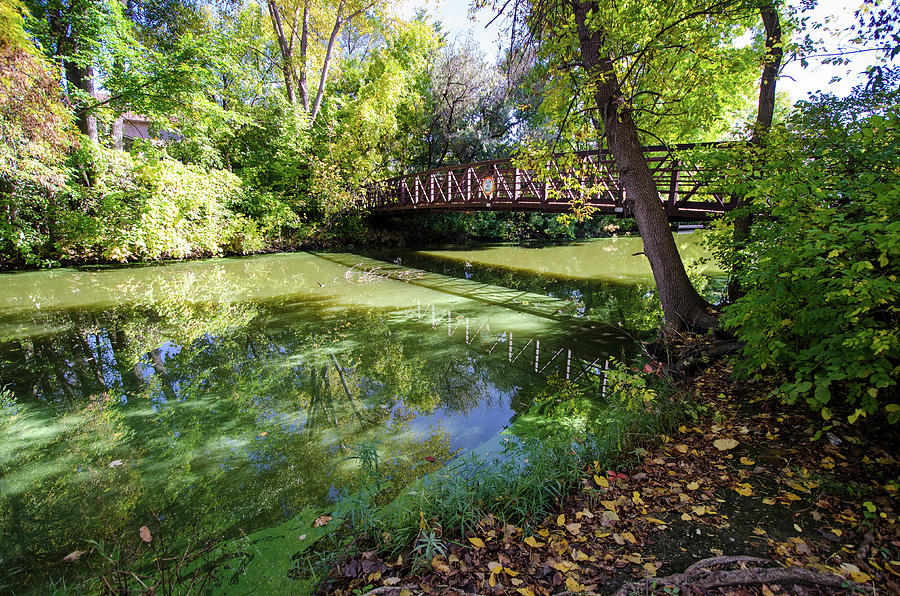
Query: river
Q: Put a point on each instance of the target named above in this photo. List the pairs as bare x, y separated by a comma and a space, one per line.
224, 396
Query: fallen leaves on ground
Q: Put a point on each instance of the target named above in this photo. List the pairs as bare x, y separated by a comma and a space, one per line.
827, 505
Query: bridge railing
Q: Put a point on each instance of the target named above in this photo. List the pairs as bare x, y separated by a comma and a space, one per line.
592, 181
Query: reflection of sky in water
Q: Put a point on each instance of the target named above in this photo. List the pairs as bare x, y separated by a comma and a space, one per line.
469, 429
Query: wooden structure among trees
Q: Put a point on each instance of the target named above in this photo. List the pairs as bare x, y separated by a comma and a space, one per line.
587, 178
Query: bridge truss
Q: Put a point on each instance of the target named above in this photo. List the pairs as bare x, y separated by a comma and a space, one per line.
498, 185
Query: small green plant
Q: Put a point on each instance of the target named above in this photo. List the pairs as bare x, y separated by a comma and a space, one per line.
367, 456
143, 562
428, 545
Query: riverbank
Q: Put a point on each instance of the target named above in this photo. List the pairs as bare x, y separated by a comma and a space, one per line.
237, 236
751, 478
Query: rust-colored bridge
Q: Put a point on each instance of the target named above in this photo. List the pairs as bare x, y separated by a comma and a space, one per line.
586, 178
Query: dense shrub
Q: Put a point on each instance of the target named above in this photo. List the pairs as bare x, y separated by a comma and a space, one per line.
821, 267
35, 132
140, 207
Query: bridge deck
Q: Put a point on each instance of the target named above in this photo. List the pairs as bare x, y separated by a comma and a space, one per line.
589, 179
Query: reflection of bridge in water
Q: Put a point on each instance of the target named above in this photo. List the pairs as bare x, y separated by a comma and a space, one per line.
575, 349
570, 364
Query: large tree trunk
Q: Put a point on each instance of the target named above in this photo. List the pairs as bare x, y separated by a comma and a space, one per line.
682, 306
338, 23
118, 132
774, 54
304, 44
83, 79
764, 115
77, 77
286, 47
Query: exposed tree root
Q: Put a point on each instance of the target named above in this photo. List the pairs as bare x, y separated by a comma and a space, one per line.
701, 576
704, 564
415, 589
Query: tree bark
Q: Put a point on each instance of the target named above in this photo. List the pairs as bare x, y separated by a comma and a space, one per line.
59, 20
683, 307
304, 44
118, 136
83, 78
774, 54
338, 23
764, 114
287, 62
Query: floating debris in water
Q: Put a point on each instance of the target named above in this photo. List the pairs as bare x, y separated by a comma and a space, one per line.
376, 274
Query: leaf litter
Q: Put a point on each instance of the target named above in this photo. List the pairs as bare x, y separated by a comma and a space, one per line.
779, 509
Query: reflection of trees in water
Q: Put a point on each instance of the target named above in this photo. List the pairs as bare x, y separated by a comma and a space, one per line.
213, 415
463, 382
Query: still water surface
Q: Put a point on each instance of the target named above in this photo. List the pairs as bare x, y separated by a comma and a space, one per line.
226, 395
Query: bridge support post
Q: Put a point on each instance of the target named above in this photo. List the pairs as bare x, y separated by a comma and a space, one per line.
673, 187
517, 175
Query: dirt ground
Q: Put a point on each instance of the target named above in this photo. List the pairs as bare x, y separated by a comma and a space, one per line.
752, 499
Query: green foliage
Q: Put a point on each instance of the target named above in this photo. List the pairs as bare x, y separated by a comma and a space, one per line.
12, 25
276, 154
680, 71
621, 408
820, 269
155, 207
375, 101
428, 545
35, 130
493, 226
202, 77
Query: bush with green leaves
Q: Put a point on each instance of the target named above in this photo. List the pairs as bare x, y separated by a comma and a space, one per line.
35, 133
140, 206
821, 268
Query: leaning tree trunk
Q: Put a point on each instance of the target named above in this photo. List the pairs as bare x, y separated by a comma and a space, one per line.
764, 115
304, 43
683, 307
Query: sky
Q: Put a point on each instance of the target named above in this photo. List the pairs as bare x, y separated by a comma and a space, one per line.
796, 81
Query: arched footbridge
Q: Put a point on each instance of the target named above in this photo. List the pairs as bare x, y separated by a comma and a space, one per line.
583, 178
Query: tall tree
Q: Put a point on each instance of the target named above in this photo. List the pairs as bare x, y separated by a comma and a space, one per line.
682, 305
286, 45
764, 114
323, 22
623, 51
72, 34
